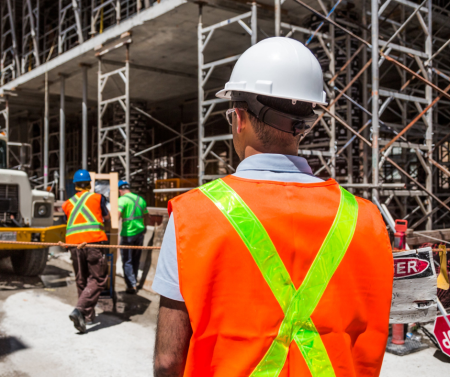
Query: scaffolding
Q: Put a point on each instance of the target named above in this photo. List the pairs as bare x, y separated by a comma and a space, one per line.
384, 134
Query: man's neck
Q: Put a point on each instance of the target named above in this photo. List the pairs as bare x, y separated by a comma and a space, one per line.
251, 151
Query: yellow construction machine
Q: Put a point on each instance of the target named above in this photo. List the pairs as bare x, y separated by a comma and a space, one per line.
25, 215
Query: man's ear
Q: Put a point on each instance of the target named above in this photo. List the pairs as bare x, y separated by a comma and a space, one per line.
240, 118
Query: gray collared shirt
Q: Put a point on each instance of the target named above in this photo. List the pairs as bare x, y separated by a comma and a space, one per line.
266, 167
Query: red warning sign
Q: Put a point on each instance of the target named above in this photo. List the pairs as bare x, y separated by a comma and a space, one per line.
405, 267
442, 333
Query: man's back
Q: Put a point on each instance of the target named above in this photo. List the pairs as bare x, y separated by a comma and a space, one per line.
237, 314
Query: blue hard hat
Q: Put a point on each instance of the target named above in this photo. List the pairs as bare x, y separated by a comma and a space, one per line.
122, 183
82, 176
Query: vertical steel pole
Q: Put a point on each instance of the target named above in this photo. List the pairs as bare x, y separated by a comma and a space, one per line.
364, 151
429, 115
332, 68
46, 127
127, 115
13, 36
375, 98
201, 131
33, 34
60, 36
99, 117
84, 124
254, 24
348, 47
277, 18
62, 139
6, 116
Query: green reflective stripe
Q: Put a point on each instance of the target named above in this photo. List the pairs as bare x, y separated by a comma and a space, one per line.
255, 238
85, 228
91, 224
75, 211
135, 207
297, 305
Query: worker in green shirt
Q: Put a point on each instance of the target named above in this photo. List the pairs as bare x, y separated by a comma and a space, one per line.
133, 211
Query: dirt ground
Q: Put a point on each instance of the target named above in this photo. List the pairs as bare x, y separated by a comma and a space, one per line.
37, 338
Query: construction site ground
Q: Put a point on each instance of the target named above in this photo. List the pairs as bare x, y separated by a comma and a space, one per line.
37, 339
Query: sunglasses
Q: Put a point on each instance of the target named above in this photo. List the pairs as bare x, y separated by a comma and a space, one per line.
229, 114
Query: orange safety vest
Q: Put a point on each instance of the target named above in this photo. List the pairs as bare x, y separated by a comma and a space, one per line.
84, 218
283, 279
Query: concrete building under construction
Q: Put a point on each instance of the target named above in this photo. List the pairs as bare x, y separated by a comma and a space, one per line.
128, 86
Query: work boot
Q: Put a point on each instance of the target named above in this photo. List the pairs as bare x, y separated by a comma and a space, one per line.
78, 320
131, 290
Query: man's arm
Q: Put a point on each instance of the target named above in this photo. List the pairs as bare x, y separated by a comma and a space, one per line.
105, 213
173, 333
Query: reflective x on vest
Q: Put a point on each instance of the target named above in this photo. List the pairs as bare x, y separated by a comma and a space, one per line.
91, 224
135, 206
297, 305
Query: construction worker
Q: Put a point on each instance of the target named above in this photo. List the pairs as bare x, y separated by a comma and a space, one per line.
272, 271
133, 210
86, 213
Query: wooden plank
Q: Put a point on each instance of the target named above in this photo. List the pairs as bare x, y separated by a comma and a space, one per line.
113, 179
418, 238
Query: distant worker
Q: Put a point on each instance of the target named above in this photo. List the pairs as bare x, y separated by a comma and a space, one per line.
132, 210
272, 271
86, 213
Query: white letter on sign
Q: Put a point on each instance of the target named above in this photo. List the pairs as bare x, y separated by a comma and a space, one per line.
401, 268
412, 266
446, 341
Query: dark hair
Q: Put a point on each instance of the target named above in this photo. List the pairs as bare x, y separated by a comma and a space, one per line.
269, 135
83, 184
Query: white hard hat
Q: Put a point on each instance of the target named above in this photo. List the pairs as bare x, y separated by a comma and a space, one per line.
278, 67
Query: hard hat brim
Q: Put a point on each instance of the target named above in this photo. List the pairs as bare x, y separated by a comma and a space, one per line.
226, 94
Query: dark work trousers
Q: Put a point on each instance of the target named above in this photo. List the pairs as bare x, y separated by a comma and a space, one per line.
131, 257
91, 271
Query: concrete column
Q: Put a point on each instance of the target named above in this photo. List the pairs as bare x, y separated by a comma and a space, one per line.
84, 124
46, 130
375, 98
62, 140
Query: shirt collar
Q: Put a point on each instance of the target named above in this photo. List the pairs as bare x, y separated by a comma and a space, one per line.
275, 162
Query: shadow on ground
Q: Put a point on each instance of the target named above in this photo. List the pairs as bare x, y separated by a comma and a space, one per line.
52, 277
126, 307
441, 356
10, 344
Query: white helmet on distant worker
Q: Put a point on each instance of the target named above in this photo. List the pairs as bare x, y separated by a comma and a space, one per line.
278, 67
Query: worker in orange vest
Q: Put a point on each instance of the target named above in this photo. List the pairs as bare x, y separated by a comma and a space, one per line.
86, 213
272, 271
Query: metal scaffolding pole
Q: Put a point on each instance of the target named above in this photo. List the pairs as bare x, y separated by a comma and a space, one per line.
5, 130
333, 108
123, 102
46, 132
375, 98
84, 120
363, 150
277, 18
206, 107
429, 116
201, 96
62, 139
127, 113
